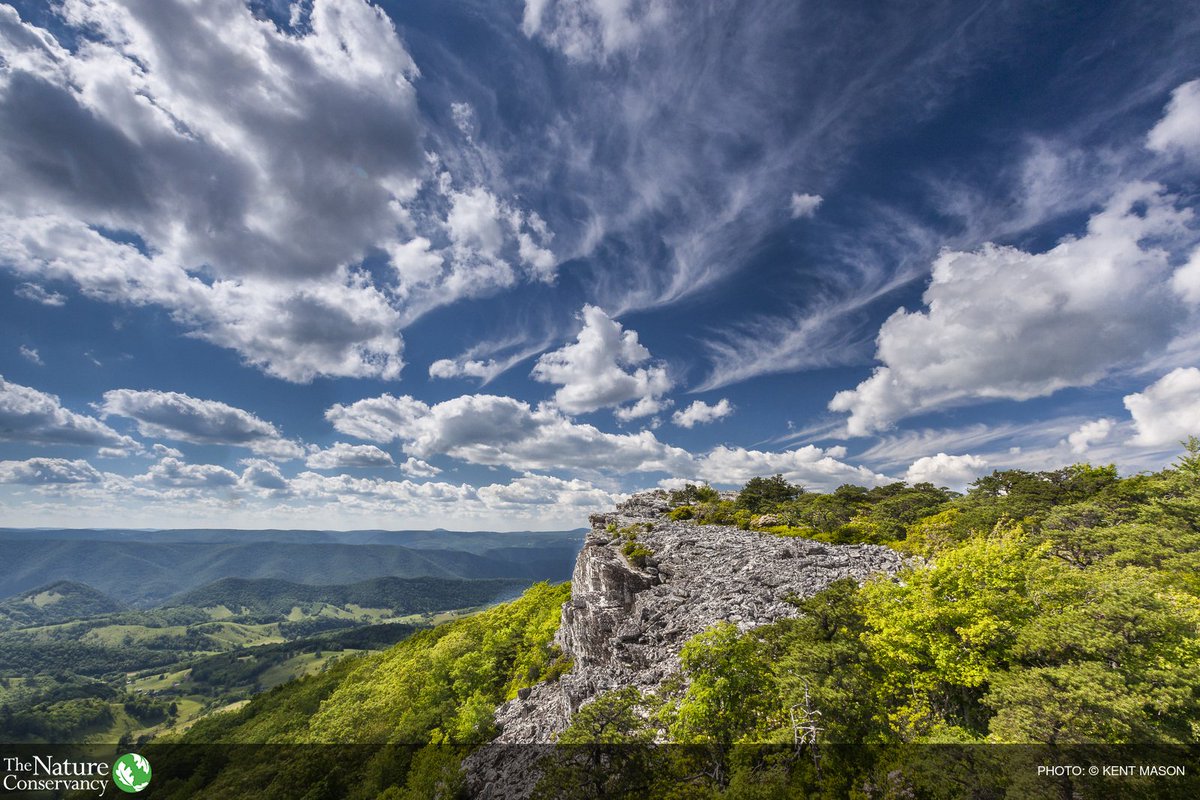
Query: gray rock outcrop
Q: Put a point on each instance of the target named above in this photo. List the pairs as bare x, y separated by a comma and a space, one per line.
625, 624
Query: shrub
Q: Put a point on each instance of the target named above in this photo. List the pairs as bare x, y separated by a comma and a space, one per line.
637, 553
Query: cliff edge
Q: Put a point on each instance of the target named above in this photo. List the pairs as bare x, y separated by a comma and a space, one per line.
643, 585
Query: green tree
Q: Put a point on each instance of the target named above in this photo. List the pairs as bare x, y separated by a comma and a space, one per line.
761, 495
607, 751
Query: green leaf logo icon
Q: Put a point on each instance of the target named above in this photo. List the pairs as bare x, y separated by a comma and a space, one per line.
131, 773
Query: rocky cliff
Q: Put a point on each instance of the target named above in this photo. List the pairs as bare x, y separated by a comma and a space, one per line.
629, 617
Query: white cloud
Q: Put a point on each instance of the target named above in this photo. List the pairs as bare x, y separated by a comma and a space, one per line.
265, 475
539, 259
469, 368
1167, 411
954, 472
380, 419
502, 431
180, 417
805, 205
30, 354
701, 413
591, 29
1178, 132
474, 221
341, 455
216, 136
415, 263
1186, 280
29, 415
531, 489
38, 294
1089, 433
600, 369
810, 466
417, 468
39, 471
173, 473
185, 495
341, 326
485, 362
1003, 323
162, 451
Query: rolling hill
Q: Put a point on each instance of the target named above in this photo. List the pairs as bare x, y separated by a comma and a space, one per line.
273, 597
147, 572
53, 603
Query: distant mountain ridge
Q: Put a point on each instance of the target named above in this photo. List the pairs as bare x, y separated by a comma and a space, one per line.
438, 539
145, 568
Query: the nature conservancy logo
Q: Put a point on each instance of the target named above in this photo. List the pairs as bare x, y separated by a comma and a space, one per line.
131, 773
51, 773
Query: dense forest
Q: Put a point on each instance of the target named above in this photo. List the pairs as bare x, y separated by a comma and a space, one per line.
1055, 608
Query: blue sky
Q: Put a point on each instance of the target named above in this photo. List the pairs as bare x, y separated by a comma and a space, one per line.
342, 264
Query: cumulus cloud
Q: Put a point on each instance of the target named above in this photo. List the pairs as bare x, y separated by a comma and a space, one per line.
39, 294
341, 455
954, 472
701, 413
805, 205
180, 417
1178, 132
491, 430
531, 489
250, 169
1167, 411
341, 325
1003, 323
417, 468
600, 370
261, 474
168, 99
162, 451
28, 415
810, 466
174, 473
501, 431
39, 471
529, 493
1089, 433
416, 264
474, 221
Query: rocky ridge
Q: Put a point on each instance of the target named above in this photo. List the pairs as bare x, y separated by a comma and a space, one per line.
626, 623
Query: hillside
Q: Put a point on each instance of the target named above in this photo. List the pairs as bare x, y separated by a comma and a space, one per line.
55, 602
273, 598
777, 632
